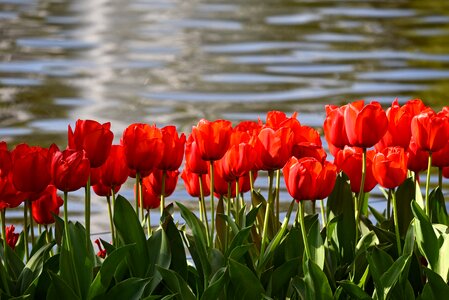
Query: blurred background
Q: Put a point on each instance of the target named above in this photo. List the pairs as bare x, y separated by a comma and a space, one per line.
176, 61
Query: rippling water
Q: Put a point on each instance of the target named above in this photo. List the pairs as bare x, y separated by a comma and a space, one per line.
175, 61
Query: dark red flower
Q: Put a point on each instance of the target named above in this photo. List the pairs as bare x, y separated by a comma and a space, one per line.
143, 147
114, 171
359, 120
192, 185
104, 190
31, 168
5, 160
173, 151
273, 148
102, 252
212, 138
446, 172
194, 162
155, 180
430, 130
9, 196
309, 179
46, 204
390, 167
92, 137
221, 180
440, 158
349, 160
70, 170
11, 236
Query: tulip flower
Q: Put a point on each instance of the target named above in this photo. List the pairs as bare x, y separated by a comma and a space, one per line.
273, 148
275, 119
307, 143
155, 180
5, 160
212, 138
239, 159
194, 162
430, 130
92, 137
349, 160
334, 127
191, 183
359, 120
105, 190
114, 171
47, 204
101, 252
173, 151
390, 167
417, 159
446, 172
11, 236
70, 170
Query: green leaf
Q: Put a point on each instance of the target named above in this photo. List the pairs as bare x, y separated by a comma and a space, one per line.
240, 238
251, 216
159, 248
353, 290
216, 286
435, 287
106, 273
380, 218
393, 274
240, 251
178, 254
316, 243
317, 285
438, 206
15, 264
130, 232
245, 284
404, 196
220, 225
176, 284
129, 289
61, 290
280, 277
40, 242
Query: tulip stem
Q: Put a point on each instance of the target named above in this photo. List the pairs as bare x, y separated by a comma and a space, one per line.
25, 229
66, 222
268, 209
148, 223
440, 178
388, 212
137, 194
251, 181
396, 221
87, 213
203, 208
359, 204
5, 243
162, 205
48, 237
31, 224
113, 208
429, 165
212, 206
303, 229
237, 201
111, 224
278, 183
323, 213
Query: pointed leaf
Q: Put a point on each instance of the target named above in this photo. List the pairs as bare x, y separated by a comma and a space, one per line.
176, 284
317, 285
129, 289
245, 284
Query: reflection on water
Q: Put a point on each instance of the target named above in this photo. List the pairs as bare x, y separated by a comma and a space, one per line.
175, 61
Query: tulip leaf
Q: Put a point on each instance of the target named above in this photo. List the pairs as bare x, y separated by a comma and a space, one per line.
106, 273
220, 226
59, 289
176, 284
130, 232
244, 283
160, 255
15, 264
240, 251
404, 196
353, 290
216, 286
438, 206
251, 216
130, 289
316, 242
280, 277
435, 287
317, 284
178, 254
240, 238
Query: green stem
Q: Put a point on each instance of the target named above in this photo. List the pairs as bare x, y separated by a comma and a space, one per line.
361, 193
440, 178
388, 212
278, 184
111, 223
323, 213
31, 224
251, 181
113, 206
162, 205
237, 201
268, 209
203, 208
396, 221
66, 222
303, 229
87, 213
25, 229
212, 205
148, 223
313, 208
429, 166
142, 214
39, 229
48, 238
137, 193
5, 243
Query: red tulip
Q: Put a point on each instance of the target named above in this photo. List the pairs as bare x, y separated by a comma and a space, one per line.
390, 167
31, 168
349, 160
47, 204
430, 130
143, 147
446, 172
307, 143
244, 182
417, 159
151, 199
92, 137
334, 127
275, 119
191, 183
359, 121
399, 130
11, 237
9, 196
440, 158
70, 170
101, 252
173, 152
416, 106
5, 160
239, 159
194, 162
250, 128
309, 179
104, 190
155, 180
273, 148
221, 180
212, 138
114, 171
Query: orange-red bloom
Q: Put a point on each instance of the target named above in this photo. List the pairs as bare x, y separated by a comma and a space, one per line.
194, 162
31, 168
155, 181
212, 138
143, 146
46, 204
239, 159
114, 171
390, 167
274, 148
192, 184
430, 130
173, 151
9, 196
150, 198
309, 179
70, 170
359, 123
349, 160
417, 159
92, 137
334, 127
307, 143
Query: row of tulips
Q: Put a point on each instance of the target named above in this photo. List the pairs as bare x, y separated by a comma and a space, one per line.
223, 161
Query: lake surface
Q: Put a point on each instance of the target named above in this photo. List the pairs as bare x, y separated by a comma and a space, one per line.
176, 61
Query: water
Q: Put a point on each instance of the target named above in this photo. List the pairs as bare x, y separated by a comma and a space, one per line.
176, 61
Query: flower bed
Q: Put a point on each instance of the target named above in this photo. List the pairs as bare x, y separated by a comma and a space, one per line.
236, 249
